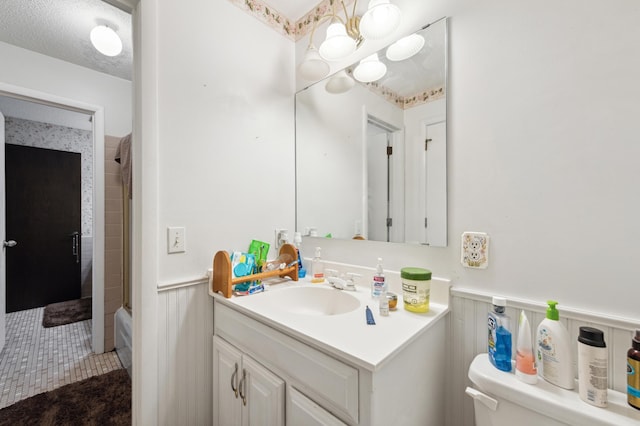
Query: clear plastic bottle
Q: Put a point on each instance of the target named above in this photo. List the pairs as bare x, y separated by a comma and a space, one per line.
499, 343
317, 267
383, 303
378, 285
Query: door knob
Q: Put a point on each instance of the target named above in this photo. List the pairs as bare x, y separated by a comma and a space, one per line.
9, 243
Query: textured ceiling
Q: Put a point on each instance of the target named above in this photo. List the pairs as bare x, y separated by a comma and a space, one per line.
60, 28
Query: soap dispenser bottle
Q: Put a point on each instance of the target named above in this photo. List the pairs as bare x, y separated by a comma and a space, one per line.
317, 267
554, 354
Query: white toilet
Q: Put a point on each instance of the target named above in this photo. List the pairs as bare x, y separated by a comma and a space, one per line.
501, 399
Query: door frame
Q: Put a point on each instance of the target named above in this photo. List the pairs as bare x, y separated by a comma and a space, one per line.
98, 239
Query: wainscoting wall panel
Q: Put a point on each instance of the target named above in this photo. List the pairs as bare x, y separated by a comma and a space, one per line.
469, 338
185, 364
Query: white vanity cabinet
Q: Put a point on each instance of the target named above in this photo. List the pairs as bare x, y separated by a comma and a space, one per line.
245, 392
303, 411
321, 384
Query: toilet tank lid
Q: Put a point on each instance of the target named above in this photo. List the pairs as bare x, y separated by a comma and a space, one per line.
549, 400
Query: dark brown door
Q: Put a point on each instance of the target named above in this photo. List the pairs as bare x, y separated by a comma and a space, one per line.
43, 217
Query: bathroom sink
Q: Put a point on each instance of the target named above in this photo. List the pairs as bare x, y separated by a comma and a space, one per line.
317, 301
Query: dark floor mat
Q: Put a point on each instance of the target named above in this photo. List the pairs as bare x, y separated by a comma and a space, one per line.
66, 312
98, 400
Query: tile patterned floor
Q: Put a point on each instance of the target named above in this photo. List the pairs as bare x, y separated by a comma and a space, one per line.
37, 359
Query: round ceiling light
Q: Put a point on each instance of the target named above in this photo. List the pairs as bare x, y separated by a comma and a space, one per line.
405, 48
106, 41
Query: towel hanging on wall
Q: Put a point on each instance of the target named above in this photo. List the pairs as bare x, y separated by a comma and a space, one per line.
123, 156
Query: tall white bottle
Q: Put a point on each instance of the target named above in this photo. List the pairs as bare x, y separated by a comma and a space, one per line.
553, 347
317, 267
593, 366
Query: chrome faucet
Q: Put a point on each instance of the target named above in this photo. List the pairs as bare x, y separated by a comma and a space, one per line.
342, 282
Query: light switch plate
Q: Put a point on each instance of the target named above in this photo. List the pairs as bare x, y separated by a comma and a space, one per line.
176, 240
475, 250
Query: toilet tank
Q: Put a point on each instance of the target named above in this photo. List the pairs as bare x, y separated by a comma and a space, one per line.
500, 398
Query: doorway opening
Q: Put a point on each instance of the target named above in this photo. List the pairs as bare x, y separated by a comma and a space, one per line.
382, 187
93, 226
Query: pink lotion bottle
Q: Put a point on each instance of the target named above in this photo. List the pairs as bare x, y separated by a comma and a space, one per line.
525, 360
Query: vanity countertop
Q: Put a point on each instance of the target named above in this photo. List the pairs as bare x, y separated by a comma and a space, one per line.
346, 335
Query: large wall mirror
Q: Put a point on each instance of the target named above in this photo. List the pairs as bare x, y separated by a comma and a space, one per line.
371, 157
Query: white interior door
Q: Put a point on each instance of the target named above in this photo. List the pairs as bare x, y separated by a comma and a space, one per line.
436, 185
378, 184
3, 237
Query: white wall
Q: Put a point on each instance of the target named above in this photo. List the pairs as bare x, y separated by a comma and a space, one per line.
226, 145
542, 154
31, 70
216, 157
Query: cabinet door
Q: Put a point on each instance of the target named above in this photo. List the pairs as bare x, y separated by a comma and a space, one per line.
303, 411
227, 369
264, 393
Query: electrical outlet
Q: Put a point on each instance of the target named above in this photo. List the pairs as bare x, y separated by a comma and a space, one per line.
281, 237
176, 240
475, 250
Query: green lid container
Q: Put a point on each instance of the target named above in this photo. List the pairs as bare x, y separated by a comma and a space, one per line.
416, 274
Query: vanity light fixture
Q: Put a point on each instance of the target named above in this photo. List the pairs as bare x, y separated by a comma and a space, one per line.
370, 69
345, 36
338, 45
341, 82
313, 67
405, 48
106, 41
381, 19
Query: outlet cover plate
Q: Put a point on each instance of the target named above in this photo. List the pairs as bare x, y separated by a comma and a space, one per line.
475, 250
